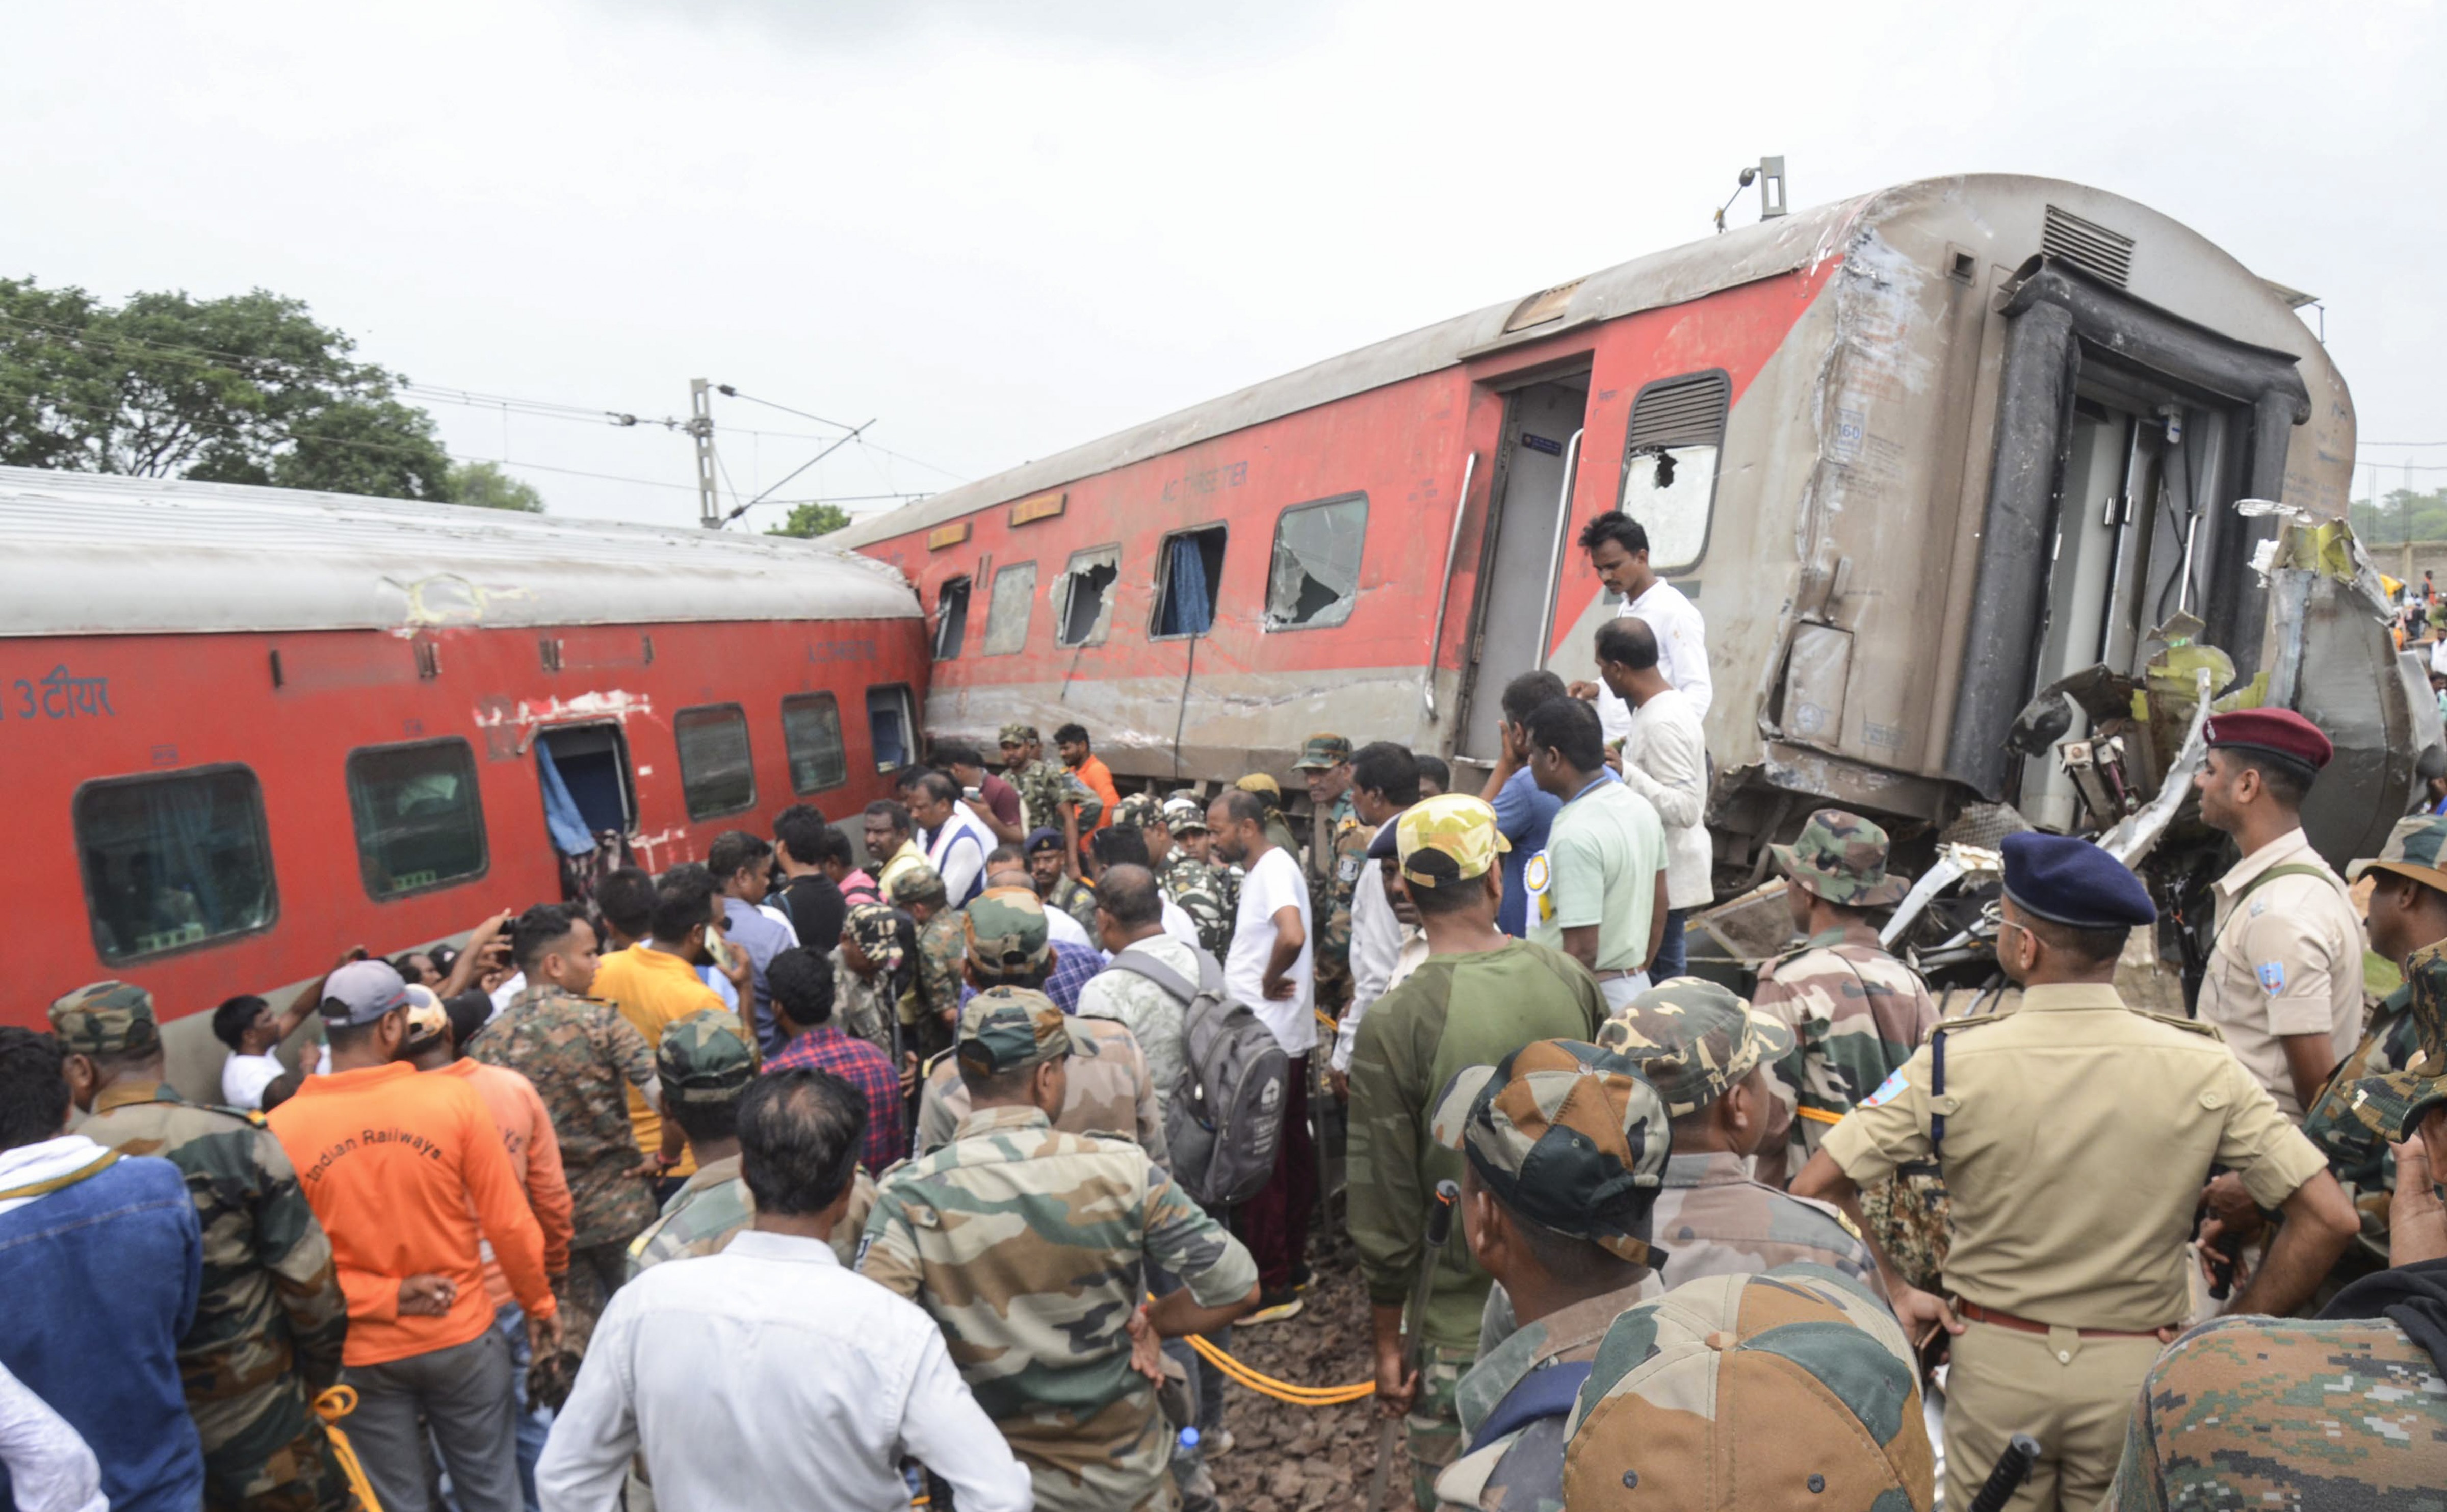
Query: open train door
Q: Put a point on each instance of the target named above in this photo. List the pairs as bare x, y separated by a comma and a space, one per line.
1513, 618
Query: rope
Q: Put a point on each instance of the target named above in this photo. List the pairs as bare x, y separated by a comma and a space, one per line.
1819, 1115
330, 1407
1240, 1373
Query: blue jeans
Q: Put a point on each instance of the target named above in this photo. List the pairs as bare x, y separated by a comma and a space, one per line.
534, 1423
1670, 957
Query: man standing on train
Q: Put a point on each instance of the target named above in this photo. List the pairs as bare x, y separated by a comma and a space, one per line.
1072, 741
1618, 549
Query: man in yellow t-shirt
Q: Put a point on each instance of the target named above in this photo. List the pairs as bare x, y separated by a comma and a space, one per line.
655, 985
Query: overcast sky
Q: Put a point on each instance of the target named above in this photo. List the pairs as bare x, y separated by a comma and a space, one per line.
1003, 227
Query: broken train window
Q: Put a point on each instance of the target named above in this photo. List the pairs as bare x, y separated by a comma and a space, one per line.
1083, 596
1315, 578
1669, 465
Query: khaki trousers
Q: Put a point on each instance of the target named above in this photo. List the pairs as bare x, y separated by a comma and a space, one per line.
2072, 1394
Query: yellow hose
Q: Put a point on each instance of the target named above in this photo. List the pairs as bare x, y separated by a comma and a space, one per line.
1241, 1374
330, 1407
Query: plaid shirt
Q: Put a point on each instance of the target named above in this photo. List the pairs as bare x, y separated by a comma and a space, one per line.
855, 1060
1073, 966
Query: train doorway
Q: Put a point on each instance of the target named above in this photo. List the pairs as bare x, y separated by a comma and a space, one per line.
590, 800
1524, 550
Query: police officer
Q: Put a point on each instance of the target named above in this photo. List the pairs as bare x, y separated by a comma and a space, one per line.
2074, 1134
2284, 982
270, 1315
1029, 1245
1193, 884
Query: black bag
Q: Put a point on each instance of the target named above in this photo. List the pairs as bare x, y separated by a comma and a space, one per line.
1224, 1117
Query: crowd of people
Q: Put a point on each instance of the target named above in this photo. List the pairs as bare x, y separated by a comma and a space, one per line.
790, 1178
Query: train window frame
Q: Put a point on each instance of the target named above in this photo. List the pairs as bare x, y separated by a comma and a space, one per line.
1275, 558
841, 741
953, 626
85, 791
357, 817
1083, 563
900, 692
1163, 595
994, 599
1631, 450
689, 781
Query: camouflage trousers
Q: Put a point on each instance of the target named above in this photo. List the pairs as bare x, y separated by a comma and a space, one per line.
1911, 1217
266, 1451
1432, 1431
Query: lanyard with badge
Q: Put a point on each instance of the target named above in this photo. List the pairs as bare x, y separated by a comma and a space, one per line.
1539, 871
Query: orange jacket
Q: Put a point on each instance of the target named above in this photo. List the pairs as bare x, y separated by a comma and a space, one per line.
390, 1160
534, 1150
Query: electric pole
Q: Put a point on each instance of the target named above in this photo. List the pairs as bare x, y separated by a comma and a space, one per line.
700, 429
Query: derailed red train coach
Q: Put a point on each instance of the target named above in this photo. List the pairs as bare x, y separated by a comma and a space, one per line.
1915, 456
242, 729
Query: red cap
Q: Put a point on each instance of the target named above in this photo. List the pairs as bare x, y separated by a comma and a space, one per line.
2276, 731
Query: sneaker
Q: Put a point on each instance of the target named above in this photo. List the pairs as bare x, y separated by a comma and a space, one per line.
1276, 1307
1216, 1444
1302, 1277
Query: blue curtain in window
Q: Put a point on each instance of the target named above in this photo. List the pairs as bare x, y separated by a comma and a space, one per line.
1187, 609
570, 835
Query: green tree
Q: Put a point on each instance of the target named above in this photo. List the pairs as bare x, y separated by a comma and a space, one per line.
248, 389
485, 485
812, 518
2383, 522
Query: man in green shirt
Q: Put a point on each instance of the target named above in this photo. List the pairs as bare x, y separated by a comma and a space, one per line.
1598, 893
1412, 1044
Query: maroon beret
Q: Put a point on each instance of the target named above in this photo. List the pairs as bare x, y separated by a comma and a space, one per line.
2271, 731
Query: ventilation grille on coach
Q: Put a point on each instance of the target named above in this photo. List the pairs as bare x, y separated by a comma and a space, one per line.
2089, 246
1682, 411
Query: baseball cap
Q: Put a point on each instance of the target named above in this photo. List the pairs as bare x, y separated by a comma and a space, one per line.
1137, 810
427, 1020
1747, 1393
1009, 1028
920, 883
1841, 858
1693, 1040
2411, 851
1450, 837
1260, 782
1016, 734
1321, 750
704, 1058
1006, 930
106, 1018
877, 929
1182, 811
2393, 1104
1566, 1135
362, 992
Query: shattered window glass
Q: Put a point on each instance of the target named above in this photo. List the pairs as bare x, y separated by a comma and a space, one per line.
1083, 599
1014, 592
1315, 578
951, 618
1668, 490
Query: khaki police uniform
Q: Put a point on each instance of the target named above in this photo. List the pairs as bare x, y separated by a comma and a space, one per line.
2287, 960
2076, 1134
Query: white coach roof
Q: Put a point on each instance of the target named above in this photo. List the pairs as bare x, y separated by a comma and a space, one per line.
88, 553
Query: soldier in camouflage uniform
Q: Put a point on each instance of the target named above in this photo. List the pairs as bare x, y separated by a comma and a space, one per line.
932, 1004
1790, 1390
2408, 926
1194, 886
1046, 788
582, 1057
1566, 1137
867, 975
1278, 830
1707, 1054
1108, 1090
1049, 870
2346, 1412
270, 1314
1338, 849
705, 1066
1856, 1014
1031, 1247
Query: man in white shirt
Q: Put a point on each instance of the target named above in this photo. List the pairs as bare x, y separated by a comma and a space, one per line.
1271, 969
1666, 761
768, 1375
956, 840
1618, 549
1384, 781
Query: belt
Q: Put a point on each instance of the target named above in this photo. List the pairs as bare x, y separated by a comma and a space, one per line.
1618, 973
1977, 1314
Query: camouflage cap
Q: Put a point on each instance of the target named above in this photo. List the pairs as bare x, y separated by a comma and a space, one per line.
1183, 811
427, 1020
877, 929
1323, 750
1009, 1028
2393, 1104
921, 883
1799, 1371
106, 1018
1139, 810
1450, 837
2411, 851
1260, 782
1016, 734
704, 1058
1006, 930
1568, 1136
1841, 858
1693, 1040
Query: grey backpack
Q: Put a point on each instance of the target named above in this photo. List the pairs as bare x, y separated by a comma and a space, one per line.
1224, 1117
